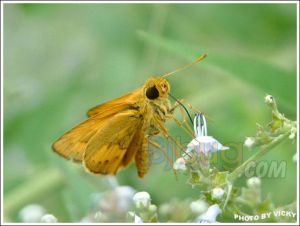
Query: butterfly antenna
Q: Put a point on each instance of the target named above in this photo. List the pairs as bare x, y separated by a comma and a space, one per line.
186, 66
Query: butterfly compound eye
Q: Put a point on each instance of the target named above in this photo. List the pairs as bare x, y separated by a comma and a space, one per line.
152, 93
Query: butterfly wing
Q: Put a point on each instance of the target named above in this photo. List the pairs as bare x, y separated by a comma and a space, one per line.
73, 143
105, 151
117, 105
135, 146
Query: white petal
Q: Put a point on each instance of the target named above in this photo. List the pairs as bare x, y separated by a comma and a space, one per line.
211, 214
207, 144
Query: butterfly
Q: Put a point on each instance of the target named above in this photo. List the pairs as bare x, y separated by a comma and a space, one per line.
117, 132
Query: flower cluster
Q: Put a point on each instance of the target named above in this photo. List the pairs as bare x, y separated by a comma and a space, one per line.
111, 206
195, 163
218, 198
196, 156
278, 126
34, 213
144, 210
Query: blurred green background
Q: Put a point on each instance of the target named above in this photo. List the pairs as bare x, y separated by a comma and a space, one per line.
62, 59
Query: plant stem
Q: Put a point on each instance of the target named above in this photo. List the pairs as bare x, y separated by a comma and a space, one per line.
264, 149
40, 185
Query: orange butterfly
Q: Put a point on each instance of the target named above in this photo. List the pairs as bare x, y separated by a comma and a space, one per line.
117, 132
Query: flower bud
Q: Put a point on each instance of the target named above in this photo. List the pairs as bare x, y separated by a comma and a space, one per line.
253, 182
142, 200
48, 218
179, 165
269, 100
198, 207
217, 193
249, 142
32, 213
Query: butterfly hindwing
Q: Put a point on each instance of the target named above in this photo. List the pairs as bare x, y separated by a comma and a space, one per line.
106, 149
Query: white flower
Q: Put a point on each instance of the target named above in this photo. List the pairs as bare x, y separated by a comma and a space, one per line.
217, 193
142, 200
253, 182
124, 194
32, 213
210, 215
124, 191
198, 207
269, 99
179, 164
48, 218
206, 144
202, 142
249, 142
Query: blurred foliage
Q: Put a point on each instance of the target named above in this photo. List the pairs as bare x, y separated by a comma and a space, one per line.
62, 59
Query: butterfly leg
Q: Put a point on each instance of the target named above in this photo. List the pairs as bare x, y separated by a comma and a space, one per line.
184, 123
165, 152
166, 134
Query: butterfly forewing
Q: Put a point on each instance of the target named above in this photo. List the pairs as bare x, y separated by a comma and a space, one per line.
117, 105
73, 143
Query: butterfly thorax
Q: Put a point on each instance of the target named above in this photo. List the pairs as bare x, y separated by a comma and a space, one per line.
156, 105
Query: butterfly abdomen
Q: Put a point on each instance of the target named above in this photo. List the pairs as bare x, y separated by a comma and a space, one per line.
142, 159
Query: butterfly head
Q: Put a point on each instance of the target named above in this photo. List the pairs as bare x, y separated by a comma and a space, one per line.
156, 87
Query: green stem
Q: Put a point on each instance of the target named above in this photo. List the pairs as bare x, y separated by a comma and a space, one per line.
41, 184
228, 195
264, 149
